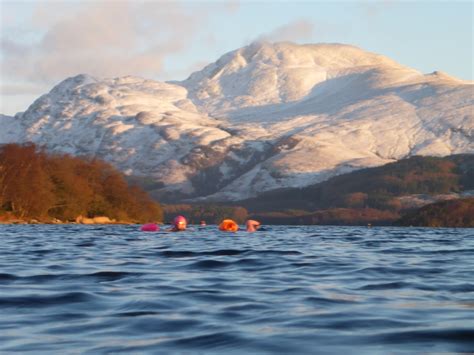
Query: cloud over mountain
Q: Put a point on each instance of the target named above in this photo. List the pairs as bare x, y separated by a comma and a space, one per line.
103, 39
299, 30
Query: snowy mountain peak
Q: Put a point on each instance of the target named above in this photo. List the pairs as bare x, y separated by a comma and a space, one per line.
267, 74
265, 116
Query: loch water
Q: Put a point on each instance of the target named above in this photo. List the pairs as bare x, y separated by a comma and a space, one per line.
287, 290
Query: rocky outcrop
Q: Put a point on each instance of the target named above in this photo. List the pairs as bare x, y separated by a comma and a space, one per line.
95, 220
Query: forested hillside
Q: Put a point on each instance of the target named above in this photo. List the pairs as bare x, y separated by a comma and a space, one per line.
36, 185
372, 195
375, 187
452, 213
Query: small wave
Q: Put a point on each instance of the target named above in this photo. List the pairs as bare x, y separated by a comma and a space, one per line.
385, 286
460, 288
211, 341
247, 306
278, 252
152, 325
111, 275
327, 301
68, 316
345, 323
178, 254
45, 278
455, 336
249, 262
225, 252
35, 301
43, 252
209, 264
400, 271
85, 244
212, 296
135, 314
190, 254
302, 264
147, 306
7, 277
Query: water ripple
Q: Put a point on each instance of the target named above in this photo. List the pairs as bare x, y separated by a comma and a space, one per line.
107, 289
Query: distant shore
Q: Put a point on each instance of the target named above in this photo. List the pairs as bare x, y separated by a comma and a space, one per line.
15, 222
79, 220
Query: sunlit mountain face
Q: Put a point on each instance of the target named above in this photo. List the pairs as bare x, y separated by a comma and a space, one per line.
262, 117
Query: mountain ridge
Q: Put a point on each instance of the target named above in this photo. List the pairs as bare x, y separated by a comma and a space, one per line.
261, 117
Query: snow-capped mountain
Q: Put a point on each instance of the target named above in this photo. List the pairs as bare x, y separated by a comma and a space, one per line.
262, 117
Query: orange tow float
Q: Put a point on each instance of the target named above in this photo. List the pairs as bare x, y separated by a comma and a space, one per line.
228, 225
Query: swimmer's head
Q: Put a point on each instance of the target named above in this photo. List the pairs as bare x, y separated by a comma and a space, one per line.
252, 225
180, 223
228, 225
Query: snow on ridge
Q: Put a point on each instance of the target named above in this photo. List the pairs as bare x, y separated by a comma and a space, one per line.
263, 74
261, 117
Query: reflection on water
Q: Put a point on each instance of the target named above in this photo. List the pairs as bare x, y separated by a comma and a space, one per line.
285, 290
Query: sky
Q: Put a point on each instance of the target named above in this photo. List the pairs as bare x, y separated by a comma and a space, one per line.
44, 42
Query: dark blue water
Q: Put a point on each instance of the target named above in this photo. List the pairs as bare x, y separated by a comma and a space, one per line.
288, 290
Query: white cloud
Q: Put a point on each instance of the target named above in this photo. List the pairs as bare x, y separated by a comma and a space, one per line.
21, 89
299, 30
101, 38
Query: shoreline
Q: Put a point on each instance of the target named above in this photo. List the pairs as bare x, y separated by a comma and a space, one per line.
17, 222
79, 220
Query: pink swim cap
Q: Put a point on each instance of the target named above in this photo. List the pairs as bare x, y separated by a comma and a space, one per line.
179, 220
150, 227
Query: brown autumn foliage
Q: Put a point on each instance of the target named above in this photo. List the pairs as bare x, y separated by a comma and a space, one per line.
36, 185
357, 198
25, 187
451, 213
367, 195
376, 187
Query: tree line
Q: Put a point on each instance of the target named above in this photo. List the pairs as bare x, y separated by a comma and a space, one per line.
451, 213
376, 188
370, 195
35, 184
210, 213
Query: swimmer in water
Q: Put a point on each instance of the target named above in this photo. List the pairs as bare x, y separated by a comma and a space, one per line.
228, 225
202, 223
252, 225
179, 224
150, 227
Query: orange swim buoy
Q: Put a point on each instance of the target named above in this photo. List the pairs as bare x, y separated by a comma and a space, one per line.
228, 225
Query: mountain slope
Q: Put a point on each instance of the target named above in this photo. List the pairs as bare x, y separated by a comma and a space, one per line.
143, 127
263, 117
362, 110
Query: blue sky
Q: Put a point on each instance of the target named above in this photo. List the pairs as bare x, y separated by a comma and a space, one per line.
43, 42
